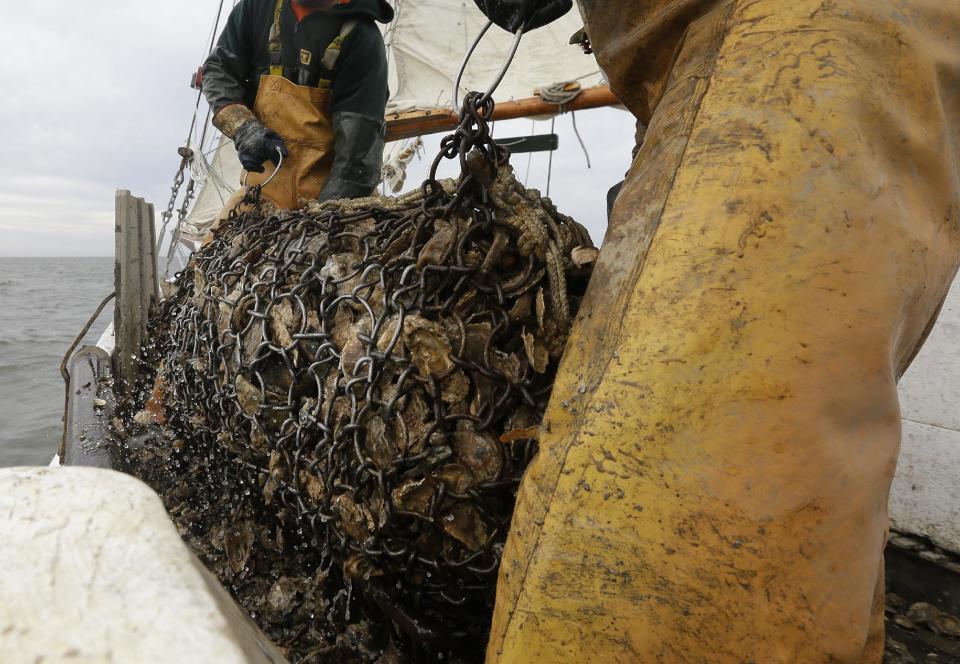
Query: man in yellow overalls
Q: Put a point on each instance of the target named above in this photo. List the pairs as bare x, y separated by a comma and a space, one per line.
305, 79
713, 478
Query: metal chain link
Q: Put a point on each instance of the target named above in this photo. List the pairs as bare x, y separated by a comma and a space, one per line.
167, 215
376, 372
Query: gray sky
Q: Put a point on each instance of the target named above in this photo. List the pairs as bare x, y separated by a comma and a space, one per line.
97, 98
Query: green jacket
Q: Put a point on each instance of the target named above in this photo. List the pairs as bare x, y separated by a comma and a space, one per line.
359, 83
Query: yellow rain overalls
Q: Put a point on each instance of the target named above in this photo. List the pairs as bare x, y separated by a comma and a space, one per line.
301, 116
713, 476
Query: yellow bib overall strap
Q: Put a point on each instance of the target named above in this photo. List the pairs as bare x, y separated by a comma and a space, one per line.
332, 52
330, 56
276, 43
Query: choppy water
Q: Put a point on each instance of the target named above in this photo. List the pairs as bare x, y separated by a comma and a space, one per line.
44, 303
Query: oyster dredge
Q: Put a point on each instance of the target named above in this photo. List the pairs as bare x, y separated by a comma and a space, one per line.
337, 421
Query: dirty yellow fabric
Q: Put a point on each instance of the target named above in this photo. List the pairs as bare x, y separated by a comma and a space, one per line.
230, 118
712, 484
301, 115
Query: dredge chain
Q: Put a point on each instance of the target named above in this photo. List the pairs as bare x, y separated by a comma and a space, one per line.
350, 372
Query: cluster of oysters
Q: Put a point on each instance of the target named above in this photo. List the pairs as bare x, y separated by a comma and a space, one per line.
349, 395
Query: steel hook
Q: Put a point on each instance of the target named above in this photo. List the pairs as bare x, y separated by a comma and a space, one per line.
269, 179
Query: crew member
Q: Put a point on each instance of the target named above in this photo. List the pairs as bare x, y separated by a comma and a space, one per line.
713, 475
305, 79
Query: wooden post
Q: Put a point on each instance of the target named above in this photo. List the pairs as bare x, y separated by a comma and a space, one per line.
154, 259
136, 283
148, 271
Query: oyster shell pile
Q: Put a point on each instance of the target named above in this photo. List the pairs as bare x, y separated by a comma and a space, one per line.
353, 393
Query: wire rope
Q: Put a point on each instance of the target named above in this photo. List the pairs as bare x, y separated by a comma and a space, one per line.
526, 176
553, 122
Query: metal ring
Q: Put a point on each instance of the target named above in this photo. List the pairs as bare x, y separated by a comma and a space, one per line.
500, 76
246, 173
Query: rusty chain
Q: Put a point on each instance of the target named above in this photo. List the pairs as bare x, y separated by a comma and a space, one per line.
371, 375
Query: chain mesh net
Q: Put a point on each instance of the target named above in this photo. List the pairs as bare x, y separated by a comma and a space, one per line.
352, 393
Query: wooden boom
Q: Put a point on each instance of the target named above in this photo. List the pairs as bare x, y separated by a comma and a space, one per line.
433, 121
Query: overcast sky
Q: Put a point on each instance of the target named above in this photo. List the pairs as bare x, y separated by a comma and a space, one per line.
97, 98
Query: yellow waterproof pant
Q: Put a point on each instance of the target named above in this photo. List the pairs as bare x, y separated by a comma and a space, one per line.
713, 478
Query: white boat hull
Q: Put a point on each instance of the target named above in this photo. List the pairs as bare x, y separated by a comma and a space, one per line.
94, 571
926, 491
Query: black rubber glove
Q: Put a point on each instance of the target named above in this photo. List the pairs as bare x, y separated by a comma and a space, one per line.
257, 144
358, 157
512, 14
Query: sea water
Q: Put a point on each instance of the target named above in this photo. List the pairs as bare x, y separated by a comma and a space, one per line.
44, 303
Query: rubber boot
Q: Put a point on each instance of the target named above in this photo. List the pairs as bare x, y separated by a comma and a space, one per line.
713, 479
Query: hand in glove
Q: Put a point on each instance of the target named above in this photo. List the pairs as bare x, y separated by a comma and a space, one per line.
257, 144
512, 14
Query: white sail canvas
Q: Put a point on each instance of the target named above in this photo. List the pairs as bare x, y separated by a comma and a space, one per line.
429, 38
220, 179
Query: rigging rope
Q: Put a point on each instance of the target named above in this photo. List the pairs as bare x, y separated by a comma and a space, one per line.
553, 123
526, 176
395, 169
196, 109
576, 132
562, 94
187, 156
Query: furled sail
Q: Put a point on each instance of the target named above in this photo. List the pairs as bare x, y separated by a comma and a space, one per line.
216, 173
221, 177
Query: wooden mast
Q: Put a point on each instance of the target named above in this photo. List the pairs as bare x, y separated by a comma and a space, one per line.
433, 121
